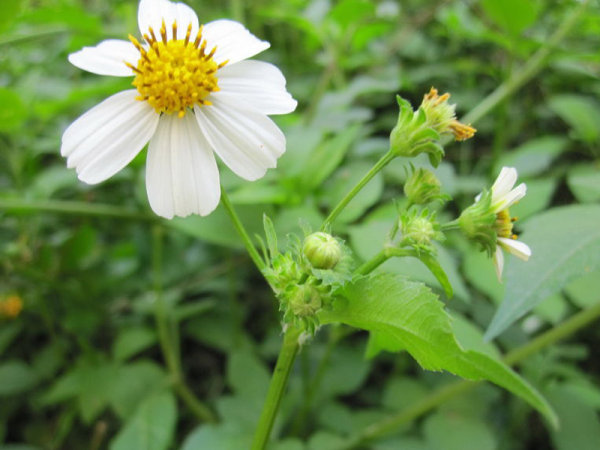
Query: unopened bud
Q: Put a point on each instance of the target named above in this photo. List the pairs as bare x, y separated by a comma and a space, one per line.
305, 301
322, 250
422, 187
418, 230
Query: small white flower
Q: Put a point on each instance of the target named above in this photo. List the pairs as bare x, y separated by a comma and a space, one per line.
504, 195
195, 93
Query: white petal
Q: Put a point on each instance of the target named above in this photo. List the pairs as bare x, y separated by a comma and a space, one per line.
107, 58
247, 141
107, 137
517, 248
234, 42
510, 198
151, 13
504, 183
181, 172
499, 263
259, 84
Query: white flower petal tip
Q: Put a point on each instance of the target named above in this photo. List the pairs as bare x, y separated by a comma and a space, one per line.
107, 58
233, 41
505, 181
182, 177
152, 13
514, 247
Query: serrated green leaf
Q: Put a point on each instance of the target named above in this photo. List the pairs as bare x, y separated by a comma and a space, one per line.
132, 341
565, 244
409, 313
151, 428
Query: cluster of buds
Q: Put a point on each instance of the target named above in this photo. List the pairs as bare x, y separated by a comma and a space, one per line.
304, 278
420, 131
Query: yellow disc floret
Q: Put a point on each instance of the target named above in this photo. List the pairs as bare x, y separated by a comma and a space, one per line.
174, 75
504, 224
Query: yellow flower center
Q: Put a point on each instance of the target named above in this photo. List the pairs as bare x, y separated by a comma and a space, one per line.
504, 224
177, 74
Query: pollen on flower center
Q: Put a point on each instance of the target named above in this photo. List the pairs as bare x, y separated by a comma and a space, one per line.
504, 224
174, 75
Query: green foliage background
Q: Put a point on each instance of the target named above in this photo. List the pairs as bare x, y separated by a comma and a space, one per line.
82, 367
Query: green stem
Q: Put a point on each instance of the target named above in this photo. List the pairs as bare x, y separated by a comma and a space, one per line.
432, 401
73, 207
237, 223
283, 367
383, 161
38, 34
168, 343
380, 258
529, 70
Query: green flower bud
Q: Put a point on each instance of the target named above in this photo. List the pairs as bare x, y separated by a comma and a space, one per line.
305, 301
422, 187
478, 222
322, 250
419, 230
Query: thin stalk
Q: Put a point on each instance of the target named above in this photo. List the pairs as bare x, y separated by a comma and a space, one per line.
436, 398
383, 161
40, 33
380, 258
73, 207
528, 71
237, 223
283, 367
168, 343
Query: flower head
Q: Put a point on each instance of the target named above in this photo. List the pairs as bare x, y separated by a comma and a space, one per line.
10, 307
195, 93
489, 222
442, 117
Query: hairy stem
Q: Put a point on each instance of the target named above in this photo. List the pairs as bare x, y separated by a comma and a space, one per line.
239, 226
436, 398
283, 367
381, 257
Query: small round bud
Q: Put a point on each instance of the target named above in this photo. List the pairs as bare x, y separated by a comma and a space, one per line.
305, 301
422, 187
322, 250
419, 230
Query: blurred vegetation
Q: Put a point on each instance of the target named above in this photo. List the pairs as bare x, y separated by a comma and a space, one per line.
95, 291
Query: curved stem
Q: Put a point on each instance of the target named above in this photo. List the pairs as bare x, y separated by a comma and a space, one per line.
239, 226
529, 70
283, 367
383, 161
382, 257
436, 398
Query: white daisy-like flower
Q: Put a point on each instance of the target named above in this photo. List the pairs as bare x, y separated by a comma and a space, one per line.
195, 93
504, 195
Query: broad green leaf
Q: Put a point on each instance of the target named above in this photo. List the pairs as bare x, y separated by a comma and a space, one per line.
151, 428
584, 291
456, 432
534, 156
512, 15
579, 424
582, 113
247, 375
539, 195
565, 244
408, 313
131, 341
133, 383
222, 437
584, 182
16, 377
